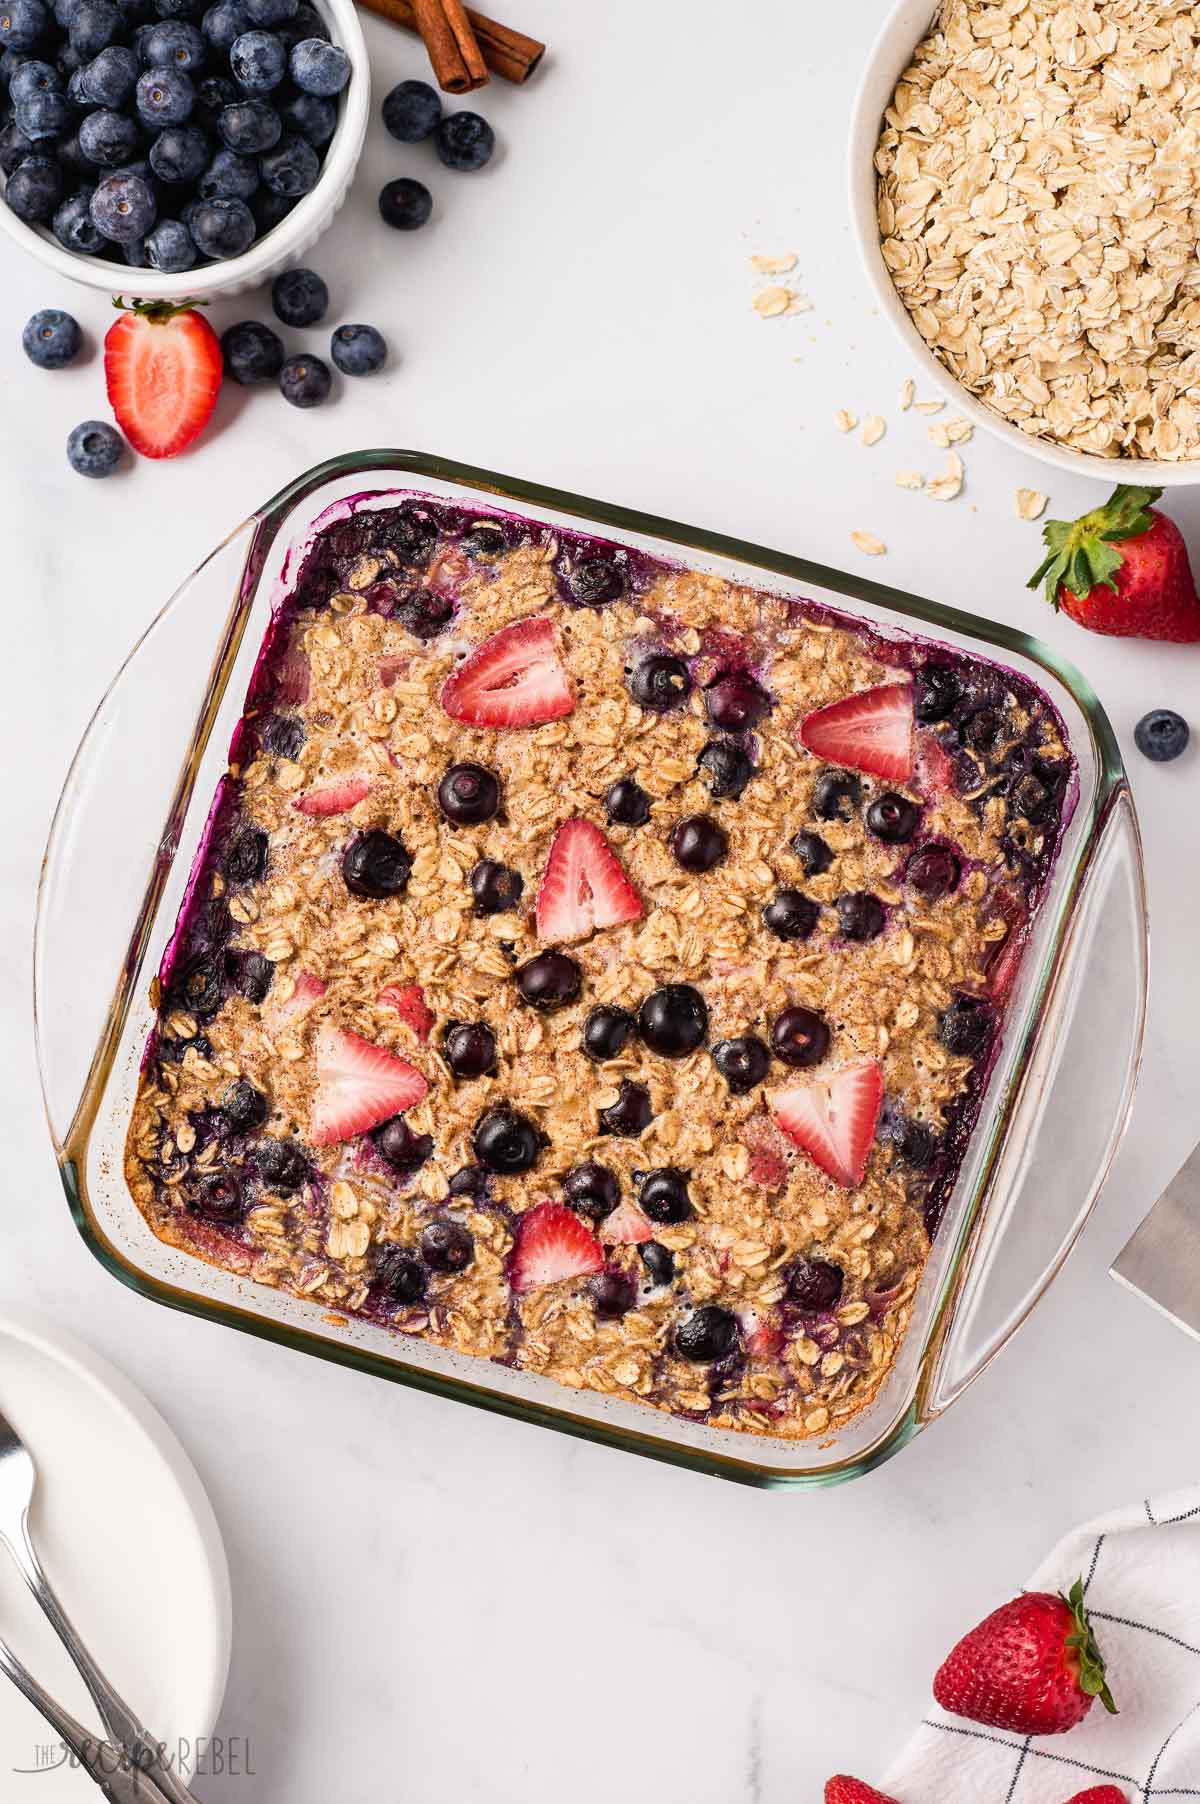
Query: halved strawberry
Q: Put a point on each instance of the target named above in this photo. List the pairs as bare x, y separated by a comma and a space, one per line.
358, 1086
833, 1118
551, 1244
583, 885
514, 679
334, 798
308, 989
162, 368
626, 1226
408, 1000
870, 731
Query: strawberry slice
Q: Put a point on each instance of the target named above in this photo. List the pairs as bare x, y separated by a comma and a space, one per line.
626, 1226
1004, 956
358, 1086
583, 885
761, 1334
408, 1000
308, 989
162, 368
935, 768
514, 679
870, 731
551, 1244
768, 1152
293, 679
833, 1118
334, 798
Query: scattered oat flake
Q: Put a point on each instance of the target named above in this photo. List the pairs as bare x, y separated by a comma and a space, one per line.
775, 266
772, 302
909, 479
907, 390
1030, 503
928, 406
869, 544
947, 486
845, 422
873, 430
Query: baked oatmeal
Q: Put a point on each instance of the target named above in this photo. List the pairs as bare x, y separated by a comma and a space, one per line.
593, 965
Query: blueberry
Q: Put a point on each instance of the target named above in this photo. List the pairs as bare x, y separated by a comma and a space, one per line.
613, 1294
375, 865
446, 1246
35, 189
408, 533
43, 116
861, 916
606, 1032
936, 693
299, 297
470, 1180
318, 67
33, 76
310, 118
266, 13
663, 1195
659, 1262
496, 887
914, 1141
246, 856
217, 1194
71, 159
51, 339
213, 94
282, 1165
285, 735
699, 842
96, 25
423, 612
14, 147
1029, 799
468, 795
470, 1048
223, 23
799, 1037
252, 352
398, 1144
109, 139
111, 77
1161, 735
399, 1275
965, 1027
484, 542
292, 168
411, 111
165, 96
593, 582
742, 1062
405, 203
981, 729
659, 682
305, 22
196, 986
258, 61
94, 449
249, 127
77, 89
815, 1285
709, 1333
735, 702
592, 1189
790, 915
178, 154
464, 141
224, 228
123, 207
268, 210
627, 803
893, 818
632, 1112
506, 1141
836, 795
813, 853
726, 769
23, 24
244, 1107
358, 350
673, 1020
174, 44
551, 980
933, 871
228, 177
74, 228
253, 975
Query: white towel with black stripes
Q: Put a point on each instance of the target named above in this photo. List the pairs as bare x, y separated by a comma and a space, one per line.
1141, 1568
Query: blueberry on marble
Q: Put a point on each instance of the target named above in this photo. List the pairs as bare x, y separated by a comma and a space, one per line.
411, 111
51, 339
464, 141
1161, 735
94, 448
358, 350
405, 204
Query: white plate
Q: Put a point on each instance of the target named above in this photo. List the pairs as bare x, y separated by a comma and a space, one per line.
131, 1545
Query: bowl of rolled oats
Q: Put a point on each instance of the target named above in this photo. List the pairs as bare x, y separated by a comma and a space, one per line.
1023, 183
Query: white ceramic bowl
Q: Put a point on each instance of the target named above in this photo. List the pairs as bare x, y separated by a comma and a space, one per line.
901, 32
285, 245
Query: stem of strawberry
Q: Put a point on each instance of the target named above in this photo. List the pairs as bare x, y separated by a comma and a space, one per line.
1092, 1681
1080, 554
157, 312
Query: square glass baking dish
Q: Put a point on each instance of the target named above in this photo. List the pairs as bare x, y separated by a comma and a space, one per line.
122, 845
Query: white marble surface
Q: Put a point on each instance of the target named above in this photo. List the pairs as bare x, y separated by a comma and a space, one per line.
430, 1602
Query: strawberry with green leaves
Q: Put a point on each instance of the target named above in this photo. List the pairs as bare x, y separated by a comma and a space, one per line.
1122, 569
1031, 1667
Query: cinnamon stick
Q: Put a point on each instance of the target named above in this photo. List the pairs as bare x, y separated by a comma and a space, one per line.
453, 49
506, 52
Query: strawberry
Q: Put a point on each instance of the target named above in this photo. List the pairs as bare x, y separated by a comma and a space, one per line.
1031, 1667
358, 1086
162, 368
307, 990
514, 679
843, 1790
551, 1244
583, 885
392, 669
833, 1118
1099, 1794
408, 1001
1123, 569
869, 731
293, 679
334, 798
762, 1335
1004, 956
768, 1152
626, 1226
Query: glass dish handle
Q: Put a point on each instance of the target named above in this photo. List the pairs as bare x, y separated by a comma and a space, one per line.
1069, 1119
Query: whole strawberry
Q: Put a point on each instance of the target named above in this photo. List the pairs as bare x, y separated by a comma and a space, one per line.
1031, 1667
1099, 1794
843, 1790
1122, 569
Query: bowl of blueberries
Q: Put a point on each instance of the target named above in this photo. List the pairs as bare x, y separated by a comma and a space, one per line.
205, 144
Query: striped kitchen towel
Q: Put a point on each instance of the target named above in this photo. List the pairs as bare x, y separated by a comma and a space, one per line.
1141, 1571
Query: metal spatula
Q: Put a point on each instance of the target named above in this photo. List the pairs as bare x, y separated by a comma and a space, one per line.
1162, 1261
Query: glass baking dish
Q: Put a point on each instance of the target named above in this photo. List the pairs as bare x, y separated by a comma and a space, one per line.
122, 844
